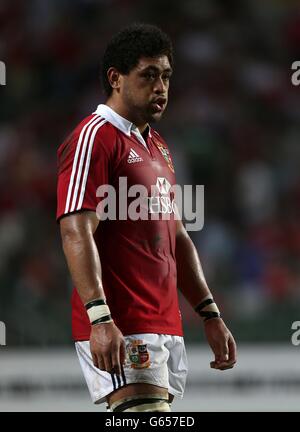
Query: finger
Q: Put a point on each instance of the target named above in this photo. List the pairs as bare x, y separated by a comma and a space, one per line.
226, 367
115, 357
122, 353
213, 365
224, 352
101, 363
232, 350
222, 355
98, 362
222, 365
107, 362
216, 364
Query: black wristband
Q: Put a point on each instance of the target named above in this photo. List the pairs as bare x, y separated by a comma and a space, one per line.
209, 315
102, 320
92, 303
203, 304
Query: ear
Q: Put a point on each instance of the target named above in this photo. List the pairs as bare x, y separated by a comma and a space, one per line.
114, 78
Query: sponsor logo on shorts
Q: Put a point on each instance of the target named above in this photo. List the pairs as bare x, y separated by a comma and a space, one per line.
138, 354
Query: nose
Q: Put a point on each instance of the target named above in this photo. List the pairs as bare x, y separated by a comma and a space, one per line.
159, 86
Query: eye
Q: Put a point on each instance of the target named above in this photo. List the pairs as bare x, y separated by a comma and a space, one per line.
150, 76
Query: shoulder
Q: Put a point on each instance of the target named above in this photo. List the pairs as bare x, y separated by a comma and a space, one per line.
92, 130
95, 127
93, 137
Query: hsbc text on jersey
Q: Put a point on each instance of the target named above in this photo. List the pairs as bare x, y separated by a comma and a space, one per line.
161, 201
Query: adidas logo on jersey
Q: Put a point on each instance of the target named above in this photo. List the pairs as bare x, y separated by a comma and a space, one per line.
133, 157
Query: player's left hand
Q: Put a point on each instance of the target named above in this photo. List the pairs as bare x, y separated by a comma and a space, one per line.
221, 342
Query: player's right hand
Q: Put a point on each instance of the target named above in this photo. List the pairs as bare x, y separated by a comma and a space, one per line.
222, 344
107, 346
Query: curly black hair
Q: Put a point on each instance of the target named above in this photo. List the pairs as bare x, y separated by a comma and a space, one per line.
130, 44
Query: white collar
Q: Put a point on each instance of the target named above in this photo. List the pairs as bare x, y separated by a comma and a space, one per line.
120, 122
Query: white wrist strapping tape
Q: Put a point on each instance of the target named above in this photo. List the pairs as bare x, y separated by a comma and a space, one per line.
97, 312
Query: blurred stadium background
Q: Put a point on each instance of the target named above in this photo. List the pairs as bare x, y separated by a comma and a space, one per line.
233, 125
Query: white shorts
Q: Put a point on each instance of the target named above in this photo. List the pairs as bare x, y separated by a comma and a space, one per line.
156, 359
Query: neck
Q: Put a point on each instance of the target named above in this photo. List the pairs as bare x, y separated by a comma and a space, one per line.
124, 112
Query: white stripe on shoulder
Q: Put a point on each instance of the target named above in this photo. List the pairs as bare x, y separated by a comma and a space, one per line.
87, 164
85, 145
74, 167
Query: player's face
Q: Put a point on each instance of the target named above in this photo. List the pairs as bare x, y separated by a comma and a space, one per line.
145, 88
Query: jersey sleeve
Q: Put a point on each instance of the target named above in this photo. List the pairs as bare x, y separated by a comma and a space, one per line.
83, 166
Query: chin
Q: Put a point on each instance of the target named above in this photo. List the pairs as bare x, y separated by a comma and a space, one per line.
155, 117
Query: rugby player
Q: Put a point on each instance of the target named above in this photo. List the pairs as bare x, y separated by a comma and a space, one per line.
126, 320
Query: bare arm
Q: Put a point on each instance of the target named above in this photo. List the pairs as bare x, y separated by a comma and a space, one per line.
192, 283
190, 276
77, 233
80, 250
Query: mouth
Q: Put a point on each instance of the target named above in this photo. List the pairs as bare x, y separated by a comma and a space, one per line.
159, 104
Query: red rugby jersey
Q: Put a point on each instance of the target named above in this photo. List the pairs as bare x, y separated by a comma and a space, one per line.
137, 257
